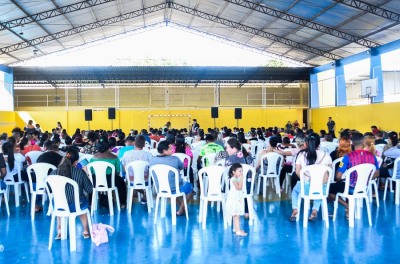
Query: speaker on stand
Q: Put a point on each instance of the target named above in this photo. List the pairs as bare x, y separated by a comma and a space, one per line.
238, 115
88, 117
214, 113
111, 115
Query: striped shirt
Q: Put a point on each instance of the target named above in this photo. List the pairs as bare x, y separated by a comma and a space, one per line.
84, 184
355, 158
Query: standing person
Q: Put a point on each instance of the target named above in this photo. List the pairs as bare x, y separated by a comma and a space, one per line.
67, 168
235, 198
195, 128
331, 126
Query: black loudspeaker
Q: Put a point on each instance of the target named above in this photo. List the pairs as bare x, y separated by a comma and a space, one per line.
238, 113
111, 113
88, 114
214, 112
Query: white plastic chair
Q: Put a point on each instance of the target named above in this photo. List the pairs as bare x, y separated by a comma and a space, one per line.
210, 158
183, 157
396, 179
379, 148
249, 195
147, 146
373, 185
4, 192
318, 177
189, 140
336, 161
138, 167
154, 152
100, 169
364, 174
61, 209
33, 156
9, 180
153, 144
41, 171
159, 174
274, 168
210, 190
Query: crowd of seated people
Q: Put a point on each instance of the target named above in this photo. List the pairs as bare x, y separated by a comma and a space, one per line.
303, 146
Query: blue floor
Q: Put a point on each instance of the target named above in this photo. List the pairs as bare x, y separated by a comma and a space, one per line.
271, 239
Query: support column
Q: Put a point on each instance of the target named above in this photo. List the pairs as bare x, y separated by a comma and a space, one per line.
340, 85
314, 96
376, 72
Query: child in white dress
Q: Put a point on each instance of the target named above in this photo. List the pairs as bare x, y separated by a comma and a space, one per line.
235, 200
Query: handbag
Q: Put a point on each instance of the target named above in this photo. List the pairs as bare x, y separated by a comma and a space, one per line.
99, 233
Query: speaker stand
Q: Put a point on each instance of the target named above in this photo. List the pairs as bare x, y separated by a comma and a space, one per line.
111, 124
237, 123
214, 123
88, 124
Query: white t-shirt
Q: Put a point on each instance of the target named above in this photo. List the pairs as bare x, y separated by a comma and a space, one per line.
323, 158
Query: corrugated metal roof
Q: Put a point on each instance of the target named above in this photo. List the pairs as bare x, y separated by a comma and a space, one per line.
308, 31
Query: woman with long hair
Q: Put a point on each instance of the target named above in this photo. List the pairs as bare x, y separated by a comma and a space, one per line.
67, 168
390, 152
309, 156
13, 157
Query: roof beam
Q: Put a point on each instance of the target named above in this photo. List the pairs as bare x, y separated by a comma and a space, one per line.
77, 30
51, 13
240, 45
43, 28
255, 31
371, 9
303, 22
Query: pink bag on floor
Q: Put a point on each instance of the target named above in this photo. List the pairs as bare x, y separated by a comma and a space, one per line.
99, 233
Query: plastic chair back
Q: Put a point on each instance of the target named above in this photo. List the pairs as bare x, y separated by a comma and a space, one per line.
211, 185
33, 156
379, 148
183, 157
274, 167
99, 169
41, 171
189, 140
246, 169
208, 160
336, 161
153, 144
58, 186
9, 178
364, 174
380, 160
318, 175
160, 175
138, 167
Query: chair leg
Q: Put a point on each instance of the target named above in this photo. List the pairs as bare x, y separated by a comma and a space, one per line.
156, 209
110, 202
51, 235
265, 187
277, 186
305, 212
94, 202
129, 198
72, 233
33, 199
376, 193
205, 205
16, 194
117, 199
368, 210
201, 211
149, 200
186, 209
325, 212
352, 208
384, 192
335, 207
26, 191
250, 206
173, 210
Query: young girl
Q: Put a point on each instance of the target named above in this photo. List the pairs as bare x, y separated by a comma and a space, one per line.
235, 200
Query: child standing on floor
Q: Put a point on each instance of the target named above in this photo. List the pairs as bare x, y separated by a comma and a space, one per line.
235, 199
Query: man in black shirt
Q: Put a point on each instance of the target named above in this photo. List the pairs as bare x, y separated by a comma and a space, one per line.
51, 156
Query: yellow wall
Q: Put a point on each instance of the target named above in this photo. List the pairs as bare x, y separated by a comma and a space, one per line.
7, 121
384, 116
138, 118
